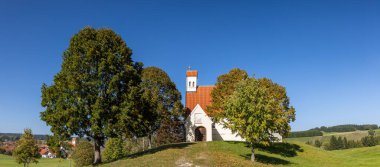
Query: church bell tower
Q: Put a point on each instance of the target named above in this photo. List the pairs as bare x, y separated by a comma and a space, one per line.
191, 80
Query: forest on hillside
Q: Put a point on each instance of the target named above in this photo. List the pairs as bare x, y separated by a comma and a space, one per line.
338, 128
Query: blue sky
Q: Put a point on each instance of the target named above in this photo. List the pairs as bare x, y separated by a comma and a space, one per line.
326, 53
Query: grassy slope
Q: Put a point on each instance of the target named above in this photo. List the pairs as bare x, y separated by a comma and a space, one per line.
6, 161
356, 135
234, 154
237, 154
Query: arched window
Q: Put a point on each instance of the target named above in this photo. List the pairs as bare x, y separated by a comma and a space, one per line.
193, 83
189, 83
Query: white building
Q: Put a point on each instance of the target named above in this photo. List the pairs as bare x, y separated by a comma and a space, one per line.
199, 126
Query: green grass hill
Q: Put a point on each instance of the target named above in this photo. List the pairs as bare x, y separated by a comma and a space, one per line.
219, 153
237, 154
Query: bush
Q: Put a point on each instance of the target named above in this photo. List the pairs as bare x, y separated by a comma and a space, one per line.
83, 154
369, 141
2, 150
317, 143
115, 149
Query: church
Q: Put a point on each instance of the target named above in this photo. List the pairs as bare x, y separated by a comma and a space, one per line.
199, 126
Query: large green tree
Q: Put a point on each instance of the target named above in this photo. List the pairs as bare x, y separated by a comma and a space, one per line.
26, 150
225, 87
96, 92
162, 100
257, 109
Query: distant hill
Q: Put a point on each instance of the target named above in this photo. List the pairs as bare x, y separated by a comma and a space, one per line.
16, 136
318, 131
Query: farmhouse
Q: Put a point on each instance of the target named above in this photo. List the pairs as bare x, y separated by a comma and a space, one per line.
199, 126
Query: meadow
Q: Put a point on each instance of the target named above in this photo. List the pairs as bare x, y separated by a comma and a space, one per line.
293, 152
6, 161
220, 153
355, 135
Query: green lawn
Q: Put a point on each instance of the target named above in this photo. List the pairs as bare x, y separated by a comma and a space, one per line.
6, 161
220, 153
237, 154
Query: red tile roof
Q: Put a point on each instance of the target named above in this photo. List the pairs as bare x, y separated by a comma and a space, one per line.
44, 151
202, 97
191, 73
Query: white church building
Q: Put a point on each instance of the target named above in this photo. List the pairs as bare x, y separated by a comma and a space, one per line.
199, 126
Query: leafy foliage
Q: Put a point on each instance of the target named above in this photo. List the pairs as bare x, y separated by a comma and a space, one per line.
307, 133
346, 128
342, 143
96, 93
257, 109
83, 154
318, 143
54, 144
114, 149
225, 87
26, 150
369, 140
163, 106
172, 130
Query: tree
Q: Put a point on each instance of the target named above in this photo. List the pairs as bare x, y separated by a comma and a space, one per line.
26, 150
256, 110
334, 144
172, 130
345, 143
340, 143
371, 132
225, 87
162, 100
96, 93
83, 154
368, 141
317, 143
115, 149
54, 144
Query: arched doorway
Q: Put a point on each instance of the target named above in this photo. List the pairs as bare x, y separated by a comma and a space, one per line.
200, 133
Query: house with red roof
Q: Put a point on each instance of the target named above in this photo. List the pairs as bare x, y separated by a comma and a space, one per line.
199, 125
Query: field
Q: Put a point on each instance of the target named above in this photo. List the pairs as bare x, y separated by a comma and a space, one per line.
293, 152
6, 161
237, 154
356, 135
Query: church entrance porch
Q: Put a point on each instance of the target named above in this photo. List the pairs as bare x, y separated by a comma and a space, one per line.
200, 133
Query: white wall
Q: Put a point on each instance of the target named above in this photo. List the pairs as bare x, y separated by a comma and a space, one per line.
198, 118
192, 124
221, 133
191, 87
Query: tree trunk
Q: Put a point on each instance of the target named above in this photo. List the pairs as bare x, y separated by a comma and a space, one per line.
149, 141
143, 141
97, 157
253, 154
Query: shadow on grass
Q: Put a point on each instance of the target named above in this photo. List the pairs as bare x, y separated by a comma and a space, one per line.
267, 159
283, 149
160, 148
